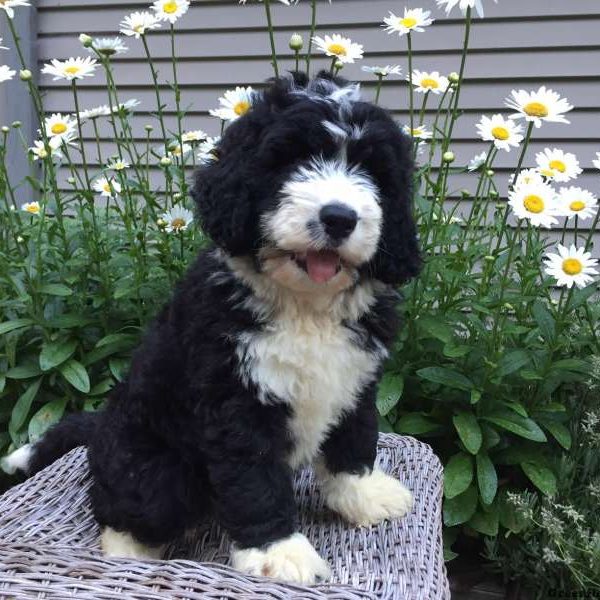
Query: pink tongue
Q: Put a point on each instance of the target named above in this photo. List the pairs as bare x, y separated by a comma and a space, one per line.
322, 266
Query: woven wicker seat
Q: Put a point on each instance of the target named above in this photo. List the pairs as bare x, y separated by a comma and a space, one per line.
49, 546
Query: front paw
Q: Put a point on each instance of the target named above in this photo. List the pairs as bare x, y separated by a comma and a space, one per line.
292, 559
367, 499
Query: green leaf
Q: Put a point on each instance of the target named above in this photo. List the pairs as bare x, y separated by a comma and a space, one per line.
468, 430
461, 508
56, 353
452, 350
487, 478
436, 328
458, 474
580, 297
559, 432
485, 522
118, 367
510, 518
384, 425
102, 387
512, 362
56, 289
9, 326
44, 418
542, 477
475, 396
24, 371
446, 377
545, 320
120, 340
2, 383
572, 364
415, 424
74, 372
389, 392
523, 427
23, 405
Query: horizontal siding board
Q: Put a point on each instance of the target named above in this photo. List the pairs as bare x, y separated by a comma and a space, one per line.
445, 37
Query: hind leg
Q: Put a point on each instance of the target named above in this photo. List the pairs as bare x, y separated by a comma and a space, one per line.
144, 495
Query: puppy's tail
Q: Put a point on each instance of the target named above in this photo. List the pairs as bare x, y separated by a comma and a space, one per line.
74, 430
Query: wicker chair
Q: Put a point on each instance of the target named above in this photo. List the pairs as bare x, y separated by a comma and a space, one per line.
49, 546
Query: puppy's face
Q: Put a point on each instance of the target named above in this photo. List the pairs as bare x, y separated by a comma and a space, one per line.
317, 185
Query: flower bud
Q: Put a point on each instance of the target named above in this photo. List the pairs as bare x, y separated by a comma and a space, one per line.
296, 42
86, 40
490, 173
20, 239
489, 258
16, 124
448, 157
338, 65
177, 196
465, 193
25, 75
148, 128
494, 194
71, 180
454, 77
165, 161
500, 206
161, 222
5, 129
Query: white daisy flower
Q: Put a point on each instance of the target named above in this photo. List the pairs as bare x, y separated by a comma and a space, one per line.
118, 165
138, 23
177, 219
207, 151
429, 82
33, 208
6, 73
72, 68
536, 107
234, 104
8, 6
503, 132
383, 71
477, 161
577, 202
61, 126
527, 177
571, 266
170, 10
196, 135
535, 202
558, 165
126, 107
94, 113
336, 45
41, 151
178, 151
463, 5
107, 187
596, 162
108, 46
1, 46
419, 132
414, 19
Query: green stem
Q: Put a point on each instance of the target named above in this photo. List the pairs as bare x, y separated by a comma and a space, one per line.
313, 28
271, 37
411, 98
378, 91
159, 104
182, 182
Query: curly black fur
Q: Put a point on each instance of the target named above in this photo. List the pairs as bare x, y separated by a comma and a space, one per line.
186, 432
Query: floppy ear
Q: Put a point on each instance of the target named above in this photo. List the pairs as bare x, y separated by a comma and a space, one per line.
398, 258
223, 190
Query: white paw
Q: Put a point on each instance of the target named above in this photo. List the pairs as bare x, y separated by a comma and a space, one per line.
17, 460
292, 559
123, 545
366, 499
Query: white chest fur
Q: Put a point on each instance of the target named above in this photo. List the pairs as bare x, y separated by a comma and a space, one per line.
310, 362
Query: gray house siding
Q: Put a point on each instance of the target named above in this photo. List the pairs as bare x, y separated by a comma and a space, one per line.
520, 44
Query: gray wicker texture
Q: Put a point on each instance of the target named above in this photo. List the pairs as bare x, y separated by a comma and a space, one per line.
49, 546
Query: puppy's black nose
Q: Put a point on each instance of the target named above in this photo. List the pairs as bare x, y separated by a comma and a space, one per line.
339, 220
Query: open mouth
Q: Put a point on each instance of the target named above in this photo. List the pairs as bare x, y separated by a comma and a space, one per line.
320, 265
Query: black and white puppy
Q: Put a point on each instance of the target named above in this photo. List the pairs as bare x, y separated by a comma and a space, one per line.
269, 353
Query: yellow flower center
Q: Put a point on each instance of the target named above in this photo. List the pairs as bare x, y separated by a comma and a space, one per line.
58, 128
430, 83
32, 208
533, 203
536, 109
577, 205
72, 70
558, 165
337, 49
572, 266
170, 7
548, 173
500, 133
138, 28
408, 22
241, 108
176, 151
106, 188
177, 223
